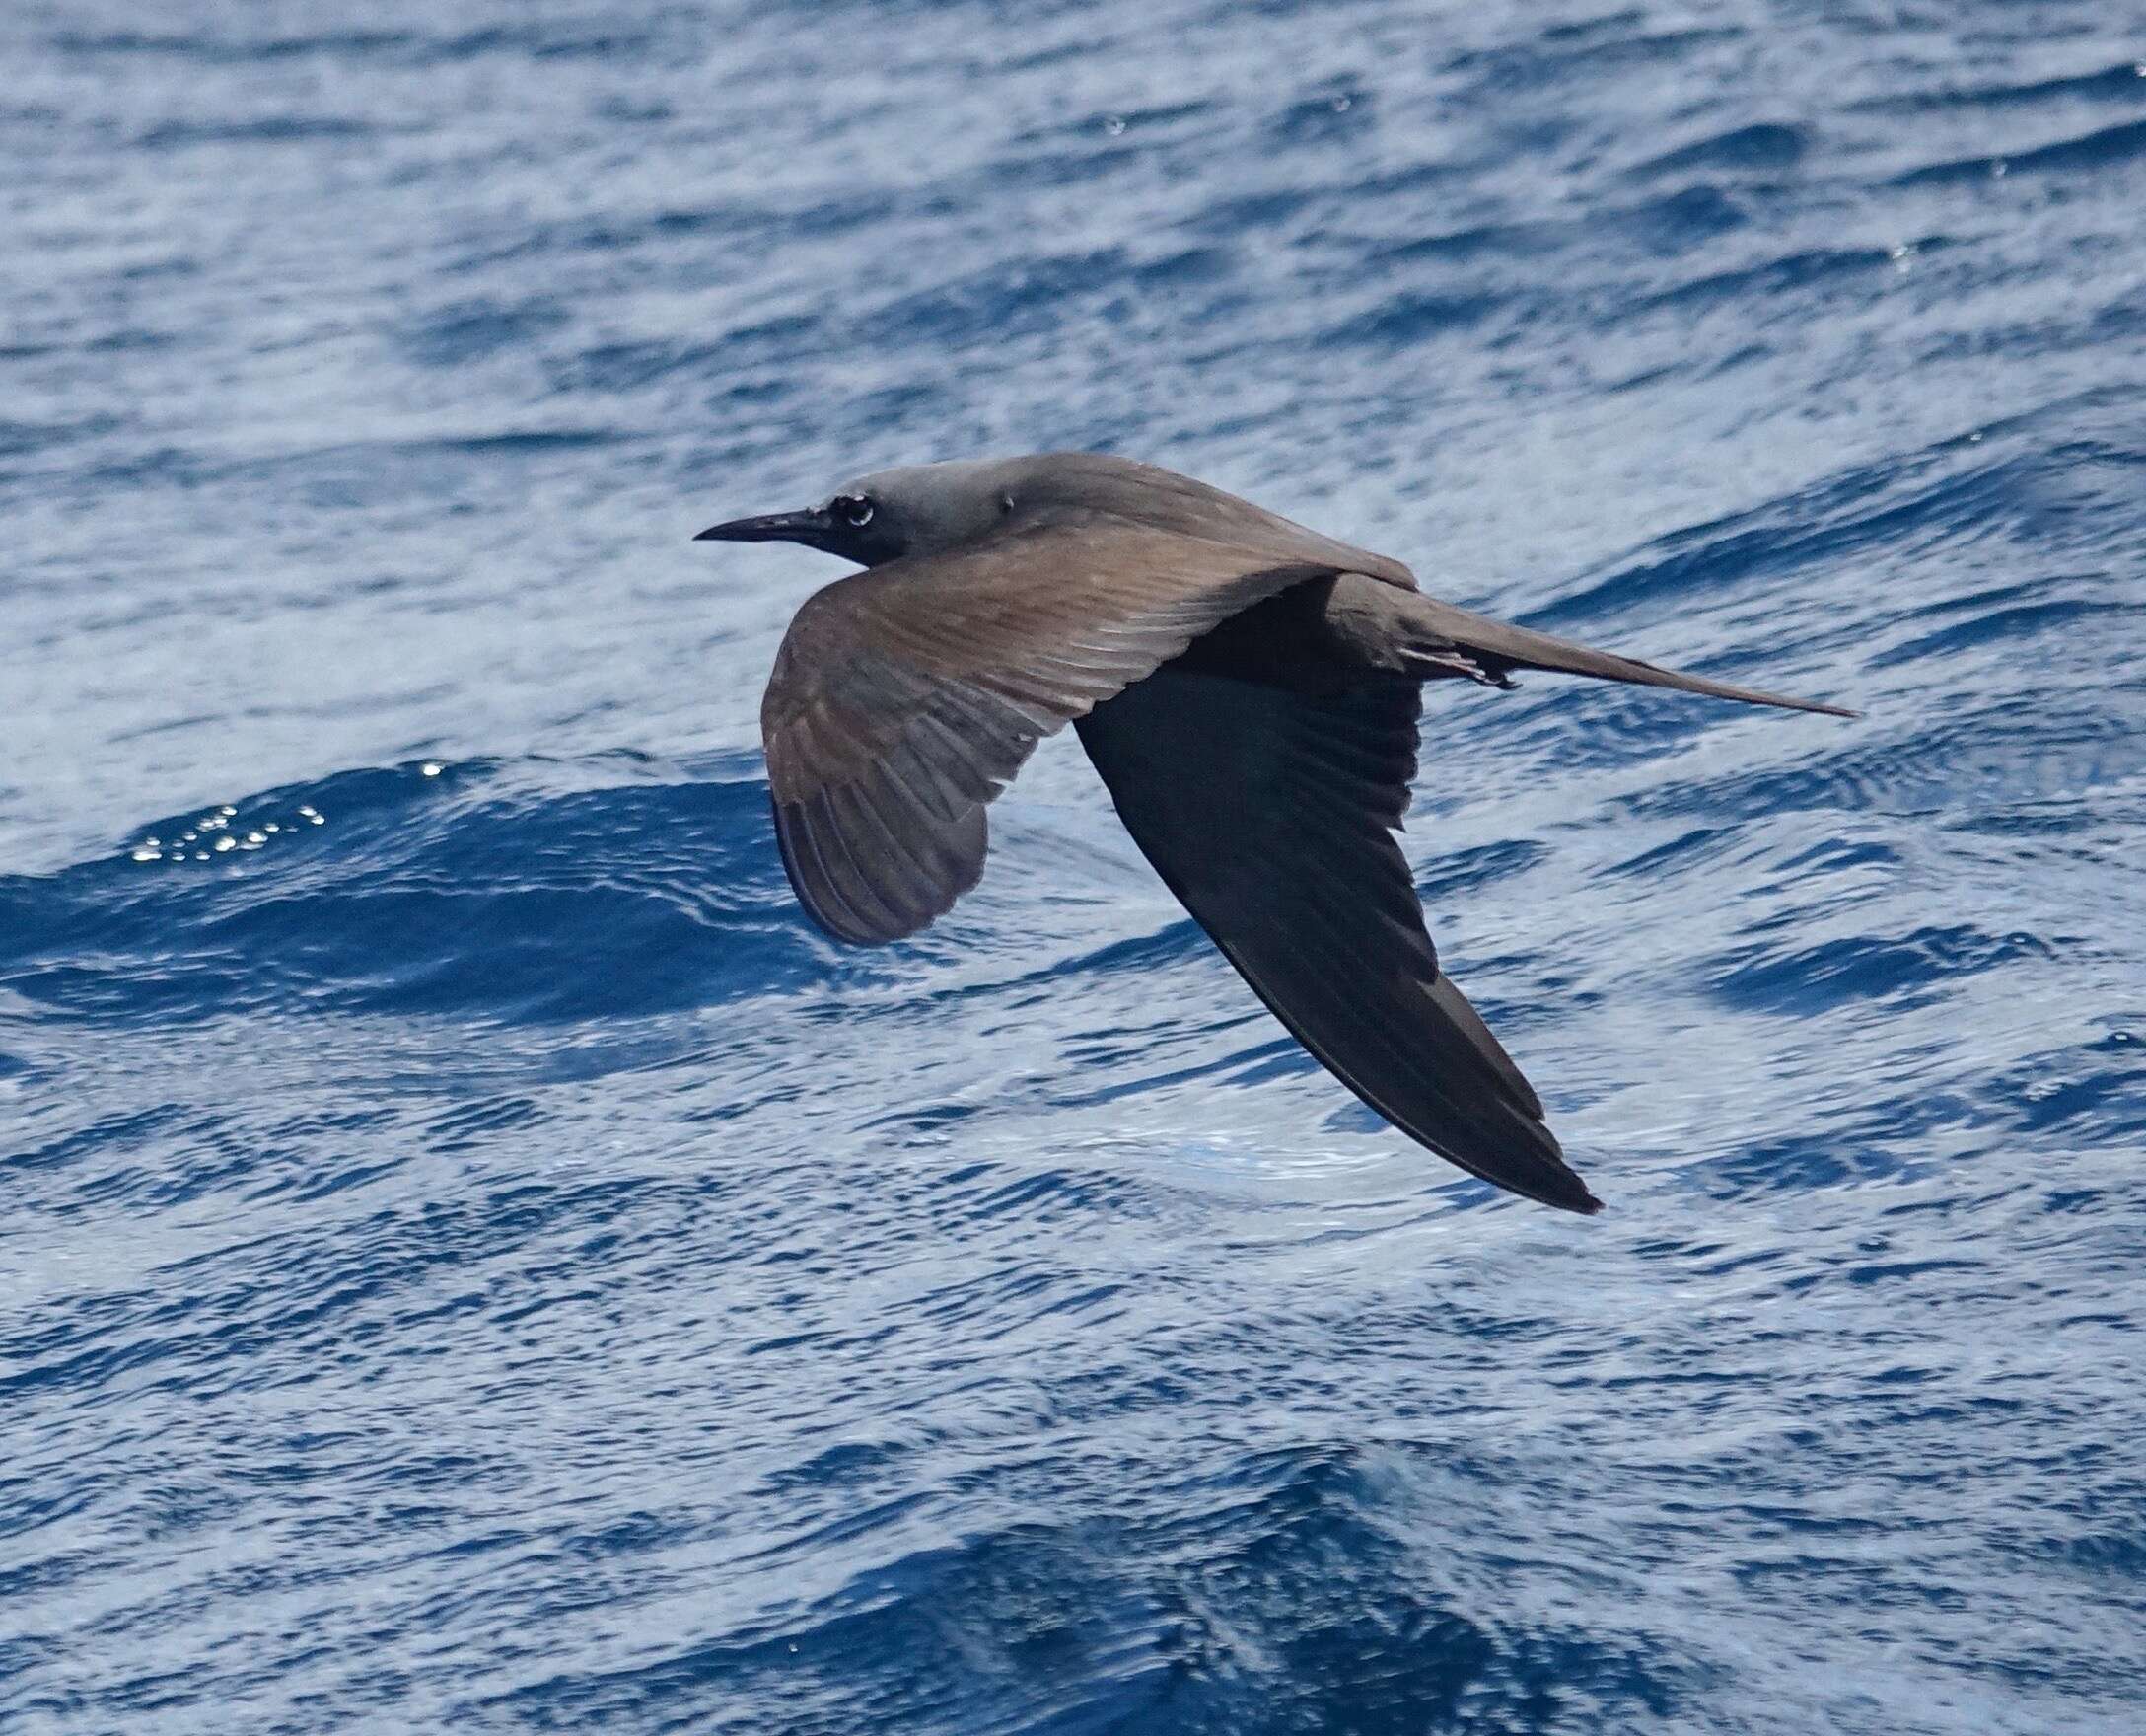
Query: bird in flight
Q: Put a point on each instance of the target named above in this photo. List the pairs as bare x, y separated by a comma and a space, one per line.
1249, 690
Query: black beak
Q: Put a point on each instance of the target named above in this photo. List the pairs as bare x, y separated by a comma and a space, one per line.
812, 527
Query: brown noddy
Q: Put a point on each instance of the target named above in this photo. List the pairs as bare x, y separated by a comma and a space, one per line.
1249, 690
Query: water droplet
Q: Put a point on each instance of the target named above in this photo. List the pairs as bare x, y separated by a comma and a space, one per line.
227, 813
148, 855
272, 827
227, 843
305, 808
317, 819
1113, 124
1997, 169
432, 768
200, 855
1341, 105
254, 838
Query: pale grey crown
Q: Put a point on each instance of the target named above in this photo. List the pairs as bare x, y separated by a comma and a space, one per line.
926, 509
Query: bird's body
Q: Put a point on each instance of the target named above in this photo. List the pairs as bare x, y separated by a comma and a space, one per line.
1249, 690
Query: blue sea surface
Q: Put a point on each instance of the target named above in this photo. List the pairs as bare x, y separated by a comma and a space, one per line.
472, 1257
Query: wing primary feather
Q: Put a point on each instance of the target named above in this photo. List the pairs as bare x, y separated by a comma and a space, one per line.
897, 880
1481, 1136
817, 887
873, 916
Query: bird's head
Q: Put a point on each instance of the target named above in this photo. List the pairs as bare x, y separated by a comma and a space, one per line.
918, 510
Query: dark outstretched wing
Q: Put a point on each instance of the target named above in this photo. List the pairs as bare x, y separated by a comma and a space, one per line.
905, 698
1271, 814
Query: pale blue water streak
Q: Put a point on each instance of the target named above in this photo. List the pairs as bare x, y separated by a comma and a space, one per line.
472, 1256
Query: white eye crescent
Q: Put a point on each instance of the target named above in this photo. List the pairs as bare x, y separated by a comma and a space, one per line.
854, 510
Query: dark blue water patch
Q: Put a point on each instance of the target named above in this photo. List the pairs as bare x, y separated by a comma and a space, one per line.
2120, 1555
1184, 267
273, 129
1607, 727
1688, 849
2109, 147
2020, 624
2012, 759
1560, 58
395, 890
2095, 1090
96, 1135
1510, 242
1682, 220
1130, 1058
208, 1318
1343, 114
1409, 318
742, 225
818, 211
2120, 83
1840, 855
1266, 216
1812, 268
1957, 490
1138, 124
1763, 145
1458, 876
1906, 969
1793, 1164
25, 439
1099, 1621
376, 474
1138, 954
925, 1125
469, 332
536, 40
568, 38
1027, 299
769, 346
1670, 226
1891, 1142
213, 50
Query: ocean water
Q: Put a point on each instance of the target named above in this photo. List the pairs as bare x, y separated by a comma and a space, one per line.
472, 1257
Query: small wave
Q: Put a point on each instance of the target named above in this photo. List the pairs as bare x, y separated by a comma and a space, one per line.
467, 889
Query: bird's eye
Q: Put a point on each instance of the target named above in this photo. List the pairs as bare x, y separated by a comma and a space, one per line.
854, 510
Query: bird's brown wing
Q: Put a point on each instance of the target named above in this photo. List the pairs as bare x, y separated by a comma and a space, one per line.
1271, 814
905, 698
